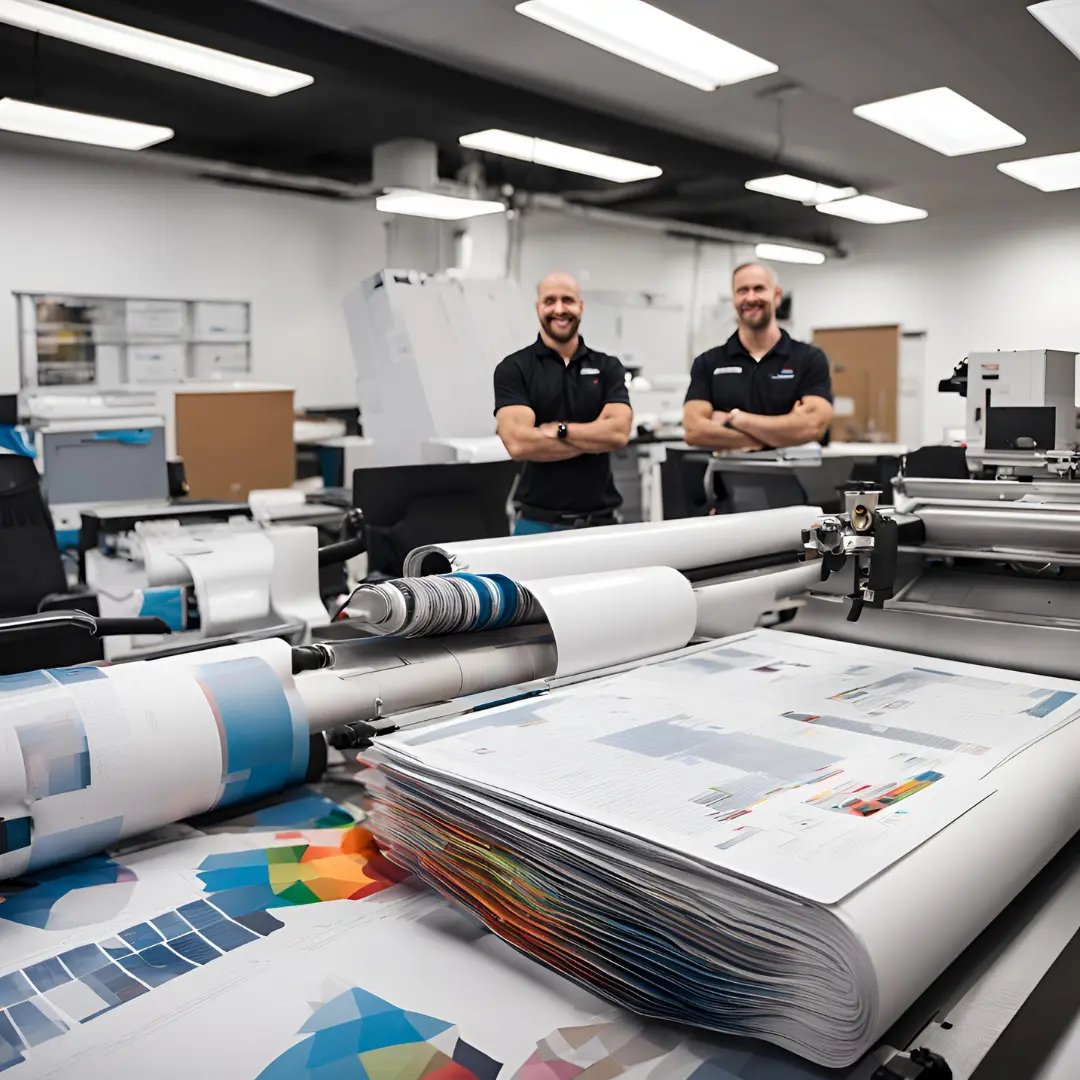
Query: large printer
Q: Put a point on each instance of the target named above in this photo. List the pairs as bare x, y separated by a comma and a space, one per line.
961, 570
989, 547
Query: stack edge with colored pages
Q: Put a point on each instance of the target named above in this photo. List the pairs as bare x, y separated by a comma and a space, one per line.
733, 839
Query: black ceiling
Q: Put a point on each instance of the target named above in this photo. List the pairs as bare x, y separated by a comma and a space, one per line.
365, 94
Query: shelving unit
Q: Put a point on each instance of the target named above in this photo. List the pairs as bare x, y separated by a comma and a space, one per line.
108, 342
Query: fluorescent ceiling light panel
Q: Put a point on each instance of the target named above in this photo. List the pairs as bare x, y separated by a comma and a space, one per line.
166, 52
648, 36
1062, 19
797, 189
558, 156
871, 210
1058, 172
943, 120
29, 119
429, 204
782, 253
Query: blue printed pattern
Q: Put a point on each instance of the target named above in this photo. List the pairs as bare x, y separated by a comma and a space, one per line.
47, 999
264, 734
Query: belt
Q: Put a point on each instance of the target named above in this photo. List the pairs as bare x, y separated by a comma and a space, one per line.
578, 520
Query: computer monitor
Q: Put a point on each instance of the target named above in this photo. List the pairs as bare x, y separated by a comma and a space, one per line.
407, 506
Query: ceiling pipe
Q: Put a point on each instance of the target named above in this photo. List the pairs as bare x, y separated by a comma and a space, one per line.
669, 226
210, 169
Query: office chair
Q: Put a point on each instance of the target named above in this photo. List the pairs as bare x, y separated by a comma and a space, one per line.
938, 462
407, 506
682, 480
747, 491
34, 576
28, 548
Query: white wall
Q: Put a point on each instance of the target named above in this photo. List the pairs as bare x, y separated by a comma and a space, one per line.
611, 259
972, 284
74, 225
69, 225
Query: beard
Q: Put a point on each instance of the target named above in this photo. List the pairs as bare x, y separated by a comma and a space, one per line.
561, 334
757, 318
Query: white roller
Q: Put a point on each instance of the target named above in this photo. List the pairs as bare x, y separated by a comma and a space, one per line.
89, 756
686, 544
732, 607
599, 620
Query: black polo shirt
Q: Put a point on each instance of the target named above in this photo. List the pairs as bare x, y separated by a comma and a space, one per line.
728, 377
573, 393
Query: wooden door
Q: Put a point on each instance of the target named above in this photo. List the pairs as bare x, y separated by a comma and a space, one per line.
234, 441
865, 361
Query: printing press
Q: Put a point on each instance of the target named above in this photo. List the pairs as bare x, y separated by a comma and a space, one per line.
979, 570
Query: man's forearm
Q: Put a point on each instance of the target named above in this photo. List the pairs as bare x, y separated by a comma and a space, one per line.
597, 437
533, 445
713, 435
787, 430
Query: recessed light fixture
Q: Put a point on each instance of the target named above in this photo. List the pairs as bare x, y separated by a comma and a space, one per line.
1058, 172
798, 189
26, 118
652, 38
782, 253
943, 120
430, 204
1062, 19
157, 49
558, 156
871, 210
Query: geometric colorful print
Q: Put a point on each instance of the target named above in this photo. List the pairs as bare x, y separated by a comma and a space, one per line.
358, 1036
242, 882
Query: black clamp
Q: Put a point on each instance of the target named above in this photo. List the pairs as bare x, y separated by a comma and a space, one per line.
921, 1064
358, 736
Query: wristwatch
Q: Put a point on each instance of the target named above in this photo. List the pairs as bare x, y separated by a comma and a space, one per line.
563, 431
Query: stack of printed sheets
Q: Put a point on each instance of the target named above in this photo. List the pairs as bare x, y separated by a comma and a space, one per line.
738, 837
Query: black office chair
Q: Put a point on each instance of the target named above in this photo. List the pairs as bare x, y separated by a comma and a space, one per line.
682, 484
28, 548
33, 577
747, 491
938, 462
407, 506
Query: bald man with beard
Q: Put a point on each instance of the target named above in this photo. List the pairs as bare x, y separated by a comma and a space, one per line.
561, 408
761, 389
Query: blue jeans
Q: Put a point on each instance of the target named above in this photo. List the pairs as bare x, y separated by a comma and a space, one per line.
527, 527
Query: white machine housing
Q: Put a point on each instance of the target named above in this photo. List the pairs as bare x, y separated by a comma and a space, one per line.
1032, 377
425, 350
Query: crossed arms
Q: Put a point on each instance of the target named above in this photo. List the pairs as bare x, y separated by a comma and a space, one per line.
705, 427
526, 441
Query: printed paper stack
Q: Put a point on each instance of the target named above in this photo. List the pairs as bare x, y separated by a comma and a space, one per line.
740, 838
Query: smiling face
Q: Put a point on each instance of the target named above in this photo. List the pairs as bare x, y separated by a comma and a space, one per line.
756, 295
559, 307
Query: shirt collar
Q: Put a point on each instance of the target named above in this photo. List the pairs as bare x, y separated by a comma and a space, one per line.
735, 347
540, 349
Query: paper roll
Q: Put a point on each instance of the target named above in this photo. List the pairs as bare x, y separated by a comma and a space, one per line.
688, 544
599, 620
232, 581
94, 755
981, 861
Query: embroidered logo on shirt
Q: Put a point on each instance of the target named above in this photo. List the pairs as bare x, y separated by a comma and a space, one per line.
785, 373
590, 371
727, 370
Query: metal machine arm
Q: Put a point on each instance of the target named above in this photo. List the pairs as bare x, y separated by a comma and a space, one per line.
866, 536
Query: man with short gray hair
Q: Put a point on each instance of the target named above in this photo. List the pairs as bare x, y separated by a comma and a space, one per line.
761, 389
